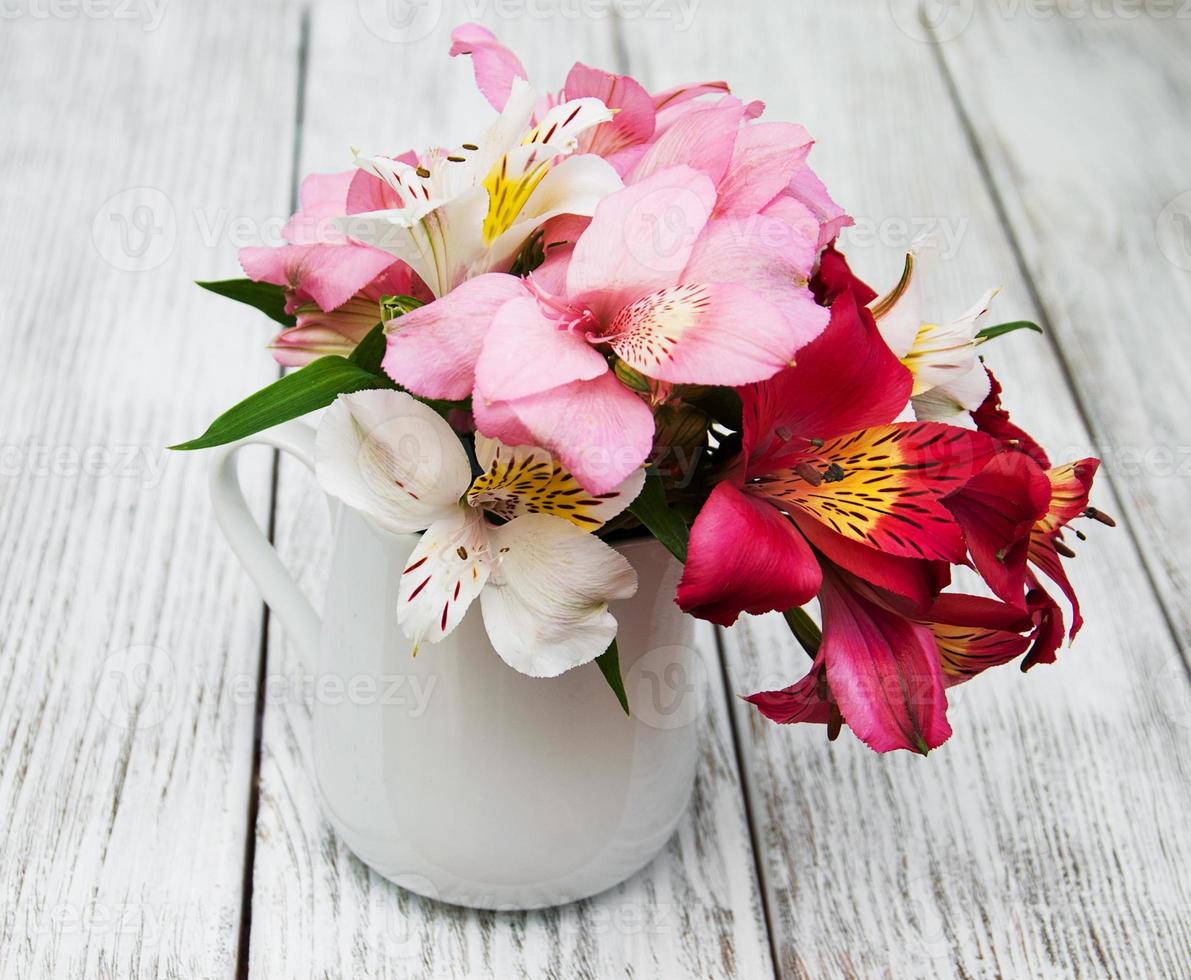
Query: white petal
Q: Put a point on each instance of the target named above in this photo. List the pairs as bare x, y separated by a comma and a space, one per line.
546, 604
962, 393
520, 480
444, 574
562, 124
391, 457
573, 186
899, 312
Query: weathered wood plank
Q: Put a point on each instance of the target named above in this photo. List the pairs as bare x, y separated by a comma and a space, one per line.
1094, 181
1047, 838
316, 909
130, 643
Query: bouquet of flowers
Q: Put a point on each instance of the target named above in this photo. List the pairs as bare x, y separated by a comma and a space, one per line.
619, 312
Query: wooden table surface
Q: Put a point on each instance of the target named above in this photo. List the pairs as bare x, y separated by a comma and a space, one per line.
157, 812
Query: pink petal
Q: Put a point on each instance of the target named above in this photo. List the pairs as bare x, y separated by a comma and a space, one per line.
807, 188
323, 197
494, 64
598, 429
884, 672
684, 93
639, 240
702, 138
719, 334
634, 119
764, 161
768, 256
369, 193
525, 353
329, 274
723, 578
433, 350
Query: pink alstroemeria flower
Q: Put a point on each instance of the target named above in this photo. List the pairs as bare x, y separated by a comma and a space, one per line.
653, 281
332, 284
639, 117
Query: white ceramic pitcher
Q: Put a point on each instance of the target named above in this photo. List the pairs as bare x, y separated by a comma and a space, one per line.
454, 775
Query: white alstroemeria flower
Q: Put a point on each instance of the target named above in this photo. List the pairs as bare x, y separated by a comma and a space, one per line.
948, 375
469, 210
543, 580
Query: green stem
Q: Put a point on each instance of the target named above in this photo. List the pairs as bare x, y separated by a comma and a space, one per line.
805, 629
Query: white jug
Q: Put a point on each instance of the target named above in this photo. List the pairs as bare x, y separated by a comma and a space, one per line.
454, 775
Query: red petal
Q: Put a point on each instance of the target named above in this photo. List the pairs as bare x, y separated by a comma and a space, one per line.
990, 417
808, 700
974, 633
884, 672
845, 379
908, 577
744, 556
883, 486
997, 509
835, 277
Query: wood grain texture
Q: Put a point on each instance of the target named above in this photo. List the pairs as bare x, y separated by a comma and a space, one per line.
130, 644
1094, 182
1048, 837
317, 910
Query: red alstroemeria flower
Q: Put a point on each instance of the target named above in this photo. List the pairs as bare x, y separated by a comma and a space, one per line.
958, 638
1014, 512
836, 499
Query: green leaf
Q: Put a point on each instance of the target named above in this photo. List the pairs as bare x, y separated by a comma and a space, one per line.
609, 664
313, 387
988, 333
392, 307
651, 509
370, 351
266, 297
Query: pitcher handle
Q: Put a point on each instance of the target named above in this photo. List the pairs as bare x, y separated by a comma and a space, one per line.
248, 541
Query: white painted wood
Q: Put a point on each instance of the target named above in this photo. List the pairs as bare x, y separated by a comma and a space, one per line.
1048, 837
1096, 186
317, 910
130, 641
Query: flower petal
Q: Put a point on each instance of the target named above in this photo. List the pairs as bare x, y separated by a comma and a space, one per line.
546, 604
974, 633
443, 575
702, 138
322, 197
639, 240
720, 334
997, 510
816, 398
389, 456
520, 480
597, 429
525, 353
764, 161
495, 65
329, 275
807, 700
883, 486
724, 576
433, 350
884, 672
